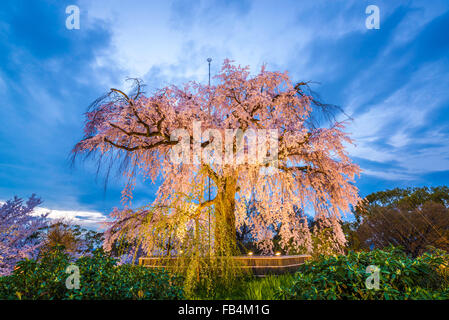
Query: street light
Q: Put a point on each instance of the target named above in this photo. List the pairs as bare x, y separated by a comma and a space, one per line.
209, 60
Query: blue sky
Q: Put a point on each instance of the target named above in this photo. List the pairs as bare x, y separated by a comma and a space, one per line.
393, 81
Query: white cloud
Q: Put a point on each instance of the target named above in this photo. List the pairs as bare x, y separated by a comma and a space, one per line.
155, 34
418, 17
388, 174
89, 219
386, 132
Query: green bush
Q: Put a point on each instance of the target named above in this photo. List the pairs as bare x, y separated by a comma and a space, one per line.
344, 277
100, 278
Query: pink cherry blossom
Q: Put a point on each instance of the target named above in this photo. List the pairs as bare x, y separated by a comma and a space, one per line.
19, 232
314, 171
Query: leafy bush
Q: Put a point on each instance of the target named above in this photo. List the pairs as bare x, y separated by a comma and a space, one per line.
100, 278
344, 277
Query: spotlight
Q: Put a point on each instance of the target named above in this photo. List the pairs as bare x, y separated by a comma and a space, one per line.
278, 253
250, 253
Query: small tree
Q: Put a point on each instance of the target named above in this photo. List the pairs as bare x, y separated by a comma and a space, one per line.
19, 232
72, 238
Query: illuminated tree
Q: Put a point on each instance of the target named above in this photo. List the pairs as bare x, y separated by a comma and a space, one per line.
305, 166
328, 236
19, 232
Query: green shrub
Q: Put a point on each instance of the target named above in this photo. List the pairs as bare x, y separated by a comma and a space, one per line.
344, 277
100, 278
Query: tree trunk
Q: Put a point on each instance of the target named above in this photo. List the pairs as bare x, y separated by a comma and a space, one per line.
225, 232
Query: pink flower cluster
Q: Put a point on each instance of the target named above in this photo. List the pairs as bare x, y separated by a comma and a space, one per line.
19, 232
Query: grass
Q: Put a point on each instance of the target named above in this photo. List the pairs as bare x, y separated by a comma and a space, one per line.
250, 288
266, 288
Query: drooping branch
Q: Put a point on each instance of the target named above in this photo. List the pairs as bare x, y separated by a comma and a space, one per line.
314, 169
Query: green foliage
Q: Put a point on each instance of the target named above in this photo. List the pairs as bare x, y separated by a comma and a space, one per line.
344, 277
213, 278
72, 238
100, 278
266, 288
413, 218
246, 287
410, 198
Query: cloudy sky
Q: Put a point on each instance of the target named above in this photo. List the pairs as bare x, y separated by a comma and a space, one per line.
393, 81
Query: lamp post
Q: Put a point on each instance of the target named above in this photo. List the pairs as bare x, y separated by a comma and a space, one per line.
209, 60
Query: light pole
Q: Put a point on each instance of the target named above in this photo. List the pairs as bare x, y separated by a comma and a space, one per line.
209, 60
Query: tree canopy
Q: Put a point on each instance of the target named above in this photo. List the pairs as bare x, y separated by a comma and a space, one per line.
19, 231
413, 218
305, 165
